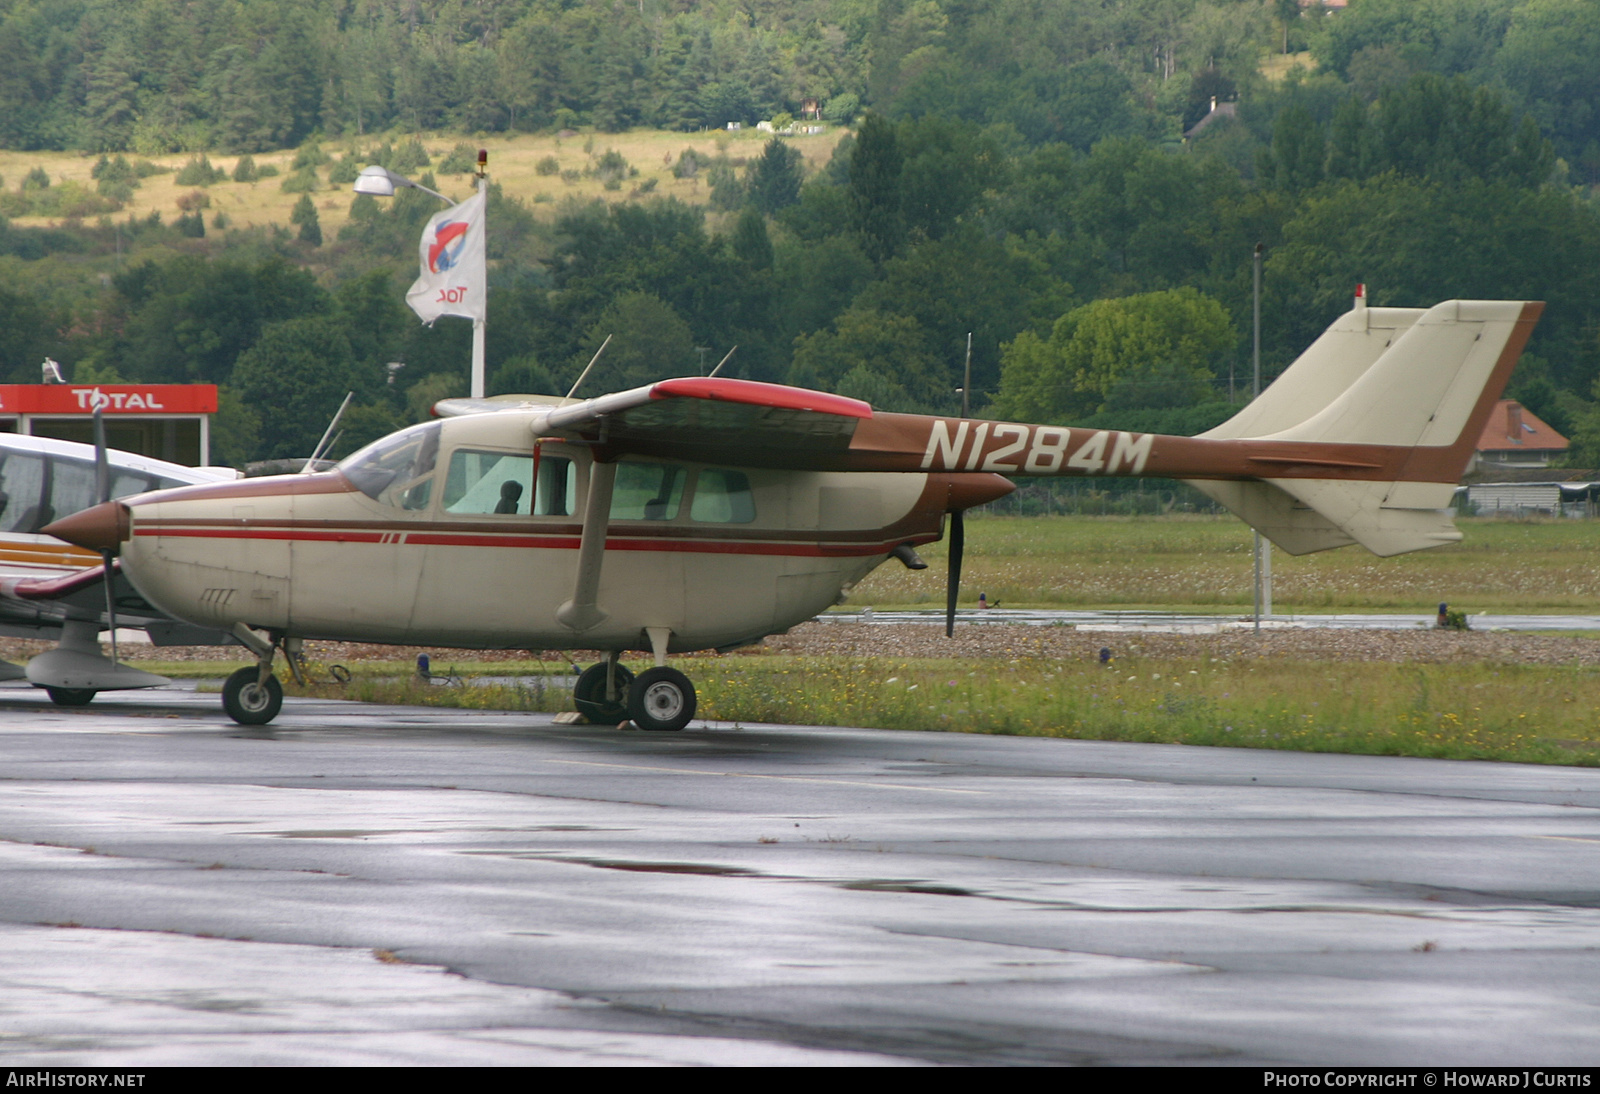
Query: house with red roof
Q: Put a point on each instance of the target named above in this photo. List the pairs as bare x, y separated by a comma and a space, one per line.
1514, 437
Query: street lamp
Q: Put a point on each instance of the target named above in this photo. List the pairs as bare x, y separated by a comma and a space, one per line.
379, 181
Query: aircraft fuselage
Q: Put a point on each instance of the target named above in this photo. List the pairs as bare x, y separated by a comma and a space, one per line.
436, 544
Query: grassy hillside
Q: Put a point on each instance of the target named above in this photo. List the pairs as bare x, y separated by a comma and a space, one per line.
513, 162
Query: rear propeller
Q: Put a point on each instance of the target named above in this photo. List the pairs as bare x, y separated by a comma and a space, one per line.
958, 530
958, 543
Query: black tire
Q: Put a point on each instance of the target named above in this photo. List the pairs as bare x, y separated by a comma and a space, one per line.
70, 697
249, 702
589, 695
661, 699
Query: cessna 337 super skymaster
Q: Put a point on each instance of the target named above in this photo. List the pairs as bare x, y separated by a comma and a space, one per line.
51, 591
704, 513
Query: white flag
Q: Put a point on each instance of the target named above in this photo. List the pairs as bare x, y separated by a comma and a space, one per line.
454, 277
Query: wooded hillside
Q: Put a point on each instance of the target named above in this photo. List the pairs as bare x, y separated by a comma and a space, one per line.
1012, 169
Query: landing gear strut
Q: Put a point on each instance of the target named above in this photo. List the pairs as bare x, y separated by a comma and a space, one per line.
252, 696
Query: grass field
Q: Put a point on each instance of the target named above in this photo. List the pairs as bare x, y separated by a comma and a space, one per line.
513, 160
1523, 713
1205, 563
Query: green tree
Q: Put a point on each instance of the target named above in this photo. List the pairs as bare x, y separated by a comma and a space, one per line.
751, 244
305, 217
1447, 129
773, 180
301, 370
649, 342
1299, 150
1548, 59
965, 283
1151, 350
1417, 241
877, 352
874, 188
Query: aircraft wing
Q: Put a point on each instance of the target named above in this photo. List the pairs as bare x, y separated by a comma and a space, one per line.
705, 419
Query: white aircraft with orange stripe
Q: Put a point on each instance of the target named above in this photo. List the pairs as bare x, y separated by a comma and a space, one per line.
704, 513
50, 590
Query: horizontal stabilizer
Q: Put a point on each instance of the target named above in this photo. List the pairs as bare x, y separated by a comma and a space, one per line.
1280, 516
1395, 377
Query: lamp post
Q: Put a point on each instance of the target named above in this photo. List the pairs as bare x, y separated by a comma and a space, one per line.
382, 182
1263, 547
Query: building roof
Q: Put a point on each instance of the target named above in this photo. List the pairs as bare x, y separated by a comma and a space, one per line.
1218, 110
1513, 427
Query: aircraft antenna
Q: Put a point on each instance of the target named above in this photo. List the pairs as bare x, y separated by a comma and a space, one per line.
323, 444
590, 365
966, 381
722, 362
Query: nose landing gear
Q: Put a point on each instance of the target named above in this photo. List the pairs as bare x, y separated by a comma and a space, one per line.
252, 696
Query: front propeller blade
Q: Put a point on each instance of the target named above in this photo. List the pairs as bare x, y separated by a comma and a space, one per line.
958, 543
102, 490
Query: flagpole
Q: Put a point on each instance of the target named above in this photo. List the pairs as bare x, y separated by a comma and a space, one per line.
480, 324
379, 181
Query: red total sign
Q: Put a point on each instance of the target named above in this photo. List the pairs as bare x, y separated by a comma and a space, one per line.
157, 399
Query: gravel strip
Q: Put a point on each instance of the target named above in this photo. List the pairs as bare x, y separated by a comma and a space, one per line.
1009, 642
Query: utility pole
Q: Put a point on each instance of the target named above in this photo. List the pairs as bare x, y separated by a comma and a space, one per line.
1263, 547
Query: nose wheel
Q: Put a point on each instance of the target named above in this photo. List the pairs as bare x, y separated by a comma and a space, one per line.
251, 700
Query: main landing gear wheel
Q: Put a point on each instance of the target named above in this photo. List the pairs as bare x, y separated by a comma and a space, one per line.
661, 699
589, 695
70, 697
248, 700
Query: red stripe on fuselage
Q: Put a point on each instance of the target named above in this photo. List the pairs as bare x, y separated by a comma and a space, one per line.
548, 542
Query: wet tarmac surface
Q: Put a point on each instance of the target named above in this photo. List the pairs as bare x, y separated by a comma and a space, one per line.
370, 885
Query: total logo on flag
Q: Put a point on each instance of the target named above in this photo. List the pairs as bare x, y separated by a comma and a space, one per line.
449, 241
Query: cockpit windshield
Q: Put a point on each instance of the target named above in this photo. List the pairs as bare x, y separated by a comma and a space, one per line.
397, 470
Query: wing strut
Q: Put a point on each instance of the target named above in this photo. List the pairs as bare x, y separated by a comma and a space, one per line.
582, 612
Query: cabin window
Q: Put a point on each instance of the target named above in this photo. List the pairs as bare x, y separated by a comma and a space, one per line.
647, 491
35, 490
722, 497
21, 490
497, 483
71, 487
397, 470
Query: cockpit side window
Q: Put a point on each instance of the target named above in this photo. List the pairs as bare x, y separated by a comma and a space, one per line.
397, 470
498, 483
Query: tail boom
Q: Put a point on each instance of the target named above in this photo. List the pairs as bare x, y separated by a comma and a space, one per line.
1360, 441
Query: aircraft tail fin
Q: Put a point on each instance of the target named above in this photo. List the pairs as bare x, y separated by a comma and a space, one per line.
1423, 380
